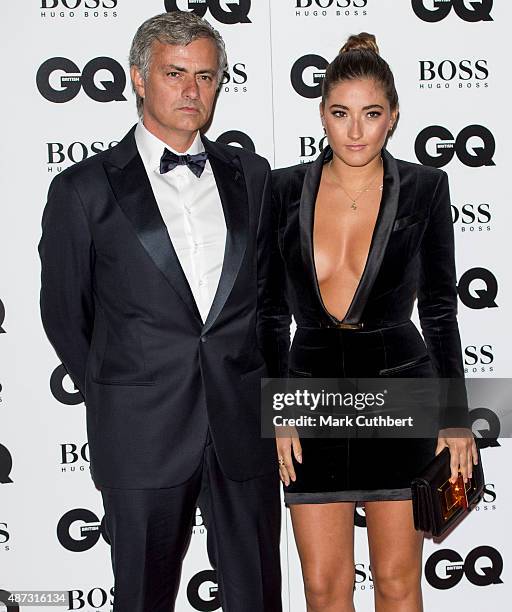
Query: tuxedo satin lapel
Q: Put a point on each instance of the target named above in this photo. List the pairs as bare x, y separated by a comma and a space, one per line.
134, 195
306, 221
381, 234
233, 194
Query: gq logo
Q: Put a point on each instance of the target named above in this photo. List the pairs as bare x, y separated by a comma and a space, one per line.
486, 426
59, 392
478, 298
447, 146
2, 317
202, 591
89, 530
108, 87
307, 75
238, 139
224, 11
4, 599
446, 568
5, 465
440, 9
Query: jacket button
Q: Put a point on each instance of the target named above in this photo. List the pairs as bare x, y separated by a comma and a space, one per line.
203, 339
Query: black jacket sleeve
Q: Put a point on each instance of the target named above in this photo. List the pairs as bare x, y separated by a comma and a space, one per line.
273, 314
437, 306
67, 260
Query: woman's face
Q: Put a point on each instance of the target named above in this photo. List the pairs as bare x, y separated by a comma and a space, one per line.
357, 119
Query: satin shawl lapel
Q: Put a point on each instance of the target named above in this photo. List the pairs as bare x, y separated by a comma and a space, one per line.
230, 181
381, 234
382, 231
135, 197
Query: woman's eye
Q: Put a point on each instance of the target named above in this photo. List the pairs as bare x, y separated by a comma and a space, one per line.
374, 114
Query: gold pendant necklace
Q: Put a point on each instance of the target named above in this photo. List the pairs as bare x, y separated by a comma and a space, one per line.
369, 187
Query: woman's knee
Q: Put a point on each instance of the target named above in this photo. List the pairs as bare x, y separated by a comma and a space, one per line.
397, 583
325, 587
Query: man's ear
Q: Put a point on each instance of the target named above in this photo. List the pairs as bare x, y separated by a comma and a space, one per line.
137, 80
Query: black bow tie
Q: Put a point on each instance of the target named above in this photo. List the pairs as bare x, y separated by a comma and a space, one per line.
170, 160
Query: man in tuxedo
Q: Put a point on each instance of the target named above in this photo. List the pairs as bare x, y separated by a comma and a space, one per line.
158, 296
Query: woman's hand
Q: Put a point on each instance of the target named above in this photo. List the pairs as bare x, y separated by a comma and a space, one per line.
287, 439
463, 453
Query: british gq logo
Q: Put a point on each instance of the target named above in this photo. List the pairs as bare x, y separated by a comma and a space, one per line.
5, 465
80, 529
330, 8
63, 389
478, 358
307, 75
471, 218
203, 591
482, 566
223, 11
78, 8
437, 10
102, 79
237, 139
445, 74
59, 155
478, 289
436, 146
486, 426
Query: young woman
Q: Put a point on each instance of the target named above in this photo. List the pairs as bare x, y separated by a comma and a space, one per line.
362, 235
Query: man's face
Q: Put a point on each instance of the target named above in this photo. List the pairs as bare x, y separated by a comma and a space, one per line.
179, 92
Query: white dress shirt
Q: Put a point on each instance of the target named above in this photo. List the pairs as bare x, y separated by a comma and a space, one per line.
192, 212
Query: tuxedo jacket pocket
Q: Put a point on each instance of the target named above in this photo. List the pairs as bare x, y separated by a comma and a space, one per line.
409, 220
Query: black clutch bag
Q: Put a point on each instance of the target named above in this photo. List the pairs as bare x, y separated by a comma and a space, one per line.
437, 503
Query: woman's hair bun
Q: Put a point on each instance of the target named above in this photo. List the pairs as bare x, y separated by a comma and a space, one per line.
363, 40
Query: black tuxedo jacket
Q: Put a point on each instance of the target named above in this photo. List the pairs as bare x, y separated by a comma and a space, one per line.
411, 256
120, 314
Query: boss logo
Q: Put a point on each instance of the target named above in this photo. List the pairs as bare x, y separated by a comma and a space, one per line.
468, 73
472, 217
79, 530
5, 465
202, 591
478, 358
228, 12
307, 75
310, 147
237, 139
437, 10
95, 598
323, 4
315, 8
107, 87
74, 457
363, 577
4, 537
446, 568
63, 389
235, 79
74, 4
486, 426
59, 153
474, 297
446, 146
199, 524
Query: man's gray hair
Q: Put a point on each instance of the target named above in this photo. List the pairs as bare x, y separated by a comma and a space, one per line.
175, 28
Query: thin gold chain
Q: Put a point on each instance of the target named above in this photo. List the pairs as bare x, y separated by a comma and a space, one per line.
368, 187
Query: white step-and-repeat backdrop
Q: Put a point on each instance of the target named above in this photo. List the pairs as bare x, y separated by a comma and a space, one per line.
66, 95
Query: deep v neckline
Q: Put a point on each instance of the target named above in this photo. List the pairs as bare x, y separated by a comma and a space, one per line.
380, 235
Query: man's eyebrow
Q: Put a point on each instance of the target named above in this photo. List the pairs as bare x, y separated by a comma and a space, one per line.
183, 69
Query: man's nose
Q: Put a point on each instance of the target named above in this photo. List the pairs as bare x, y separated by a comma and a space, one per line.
191, 89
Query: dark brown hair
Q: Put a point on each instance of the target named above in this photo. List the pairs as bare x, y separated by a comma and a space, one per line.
359, 59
